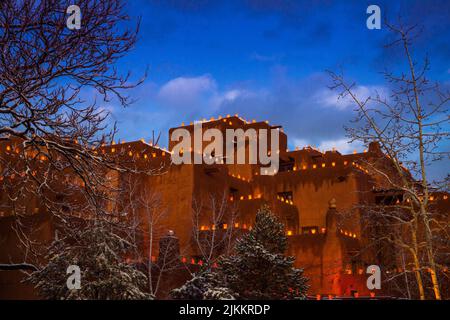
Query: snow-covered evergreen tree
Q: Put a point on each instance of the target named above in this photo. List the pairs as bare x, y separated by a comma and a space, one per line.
204, 285
99, 253
259, 269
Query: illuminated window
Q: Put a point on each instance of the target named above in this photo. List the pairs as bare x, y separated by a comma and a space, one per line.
225, 226
236, 225
345, 163
323, 165
289, 233
130, 153
333, 164
314, 166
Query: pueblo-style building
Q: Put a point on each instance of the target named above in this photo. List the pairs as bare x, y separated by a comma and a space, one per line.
318, 195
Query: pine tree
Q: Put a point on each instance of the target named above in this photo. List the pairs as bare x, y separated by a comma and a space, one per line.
205, 285
259, 269
98, 252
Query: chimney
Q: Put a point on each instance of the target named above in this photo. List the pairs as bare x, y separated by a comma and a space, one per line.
331, 215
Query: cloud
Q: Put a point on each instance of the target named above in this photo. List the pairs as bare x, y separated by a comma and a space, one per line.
183, 91
305, 107
342, 145
331, 98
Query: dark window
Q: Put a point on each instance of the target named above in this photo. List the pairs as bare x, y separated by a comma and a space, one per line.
286, 195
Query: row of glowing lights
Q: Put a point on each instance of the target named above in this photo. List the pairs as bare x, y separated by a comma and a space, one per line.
248, 197
398, 270
331, 297
244, 226
238, 176
237, 225
347, 233
224, 119
285, 200
164, 151
311, 231
323, 165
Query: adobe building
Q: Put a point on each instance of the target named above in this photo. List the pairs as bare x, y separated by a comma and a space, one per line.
317, 195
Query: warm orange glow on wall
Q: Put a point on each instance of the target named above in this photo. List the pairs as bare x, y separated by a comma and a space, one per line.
333, 164
323, 165
313, 231
314, 166
225, 226
289, 233
323, 230
236, 225
242, 198
8, 148
130, 153
345, 163
304, 167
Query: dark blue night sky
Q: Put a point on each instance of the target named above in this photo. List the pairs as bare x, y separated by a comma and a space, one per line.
266, 60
